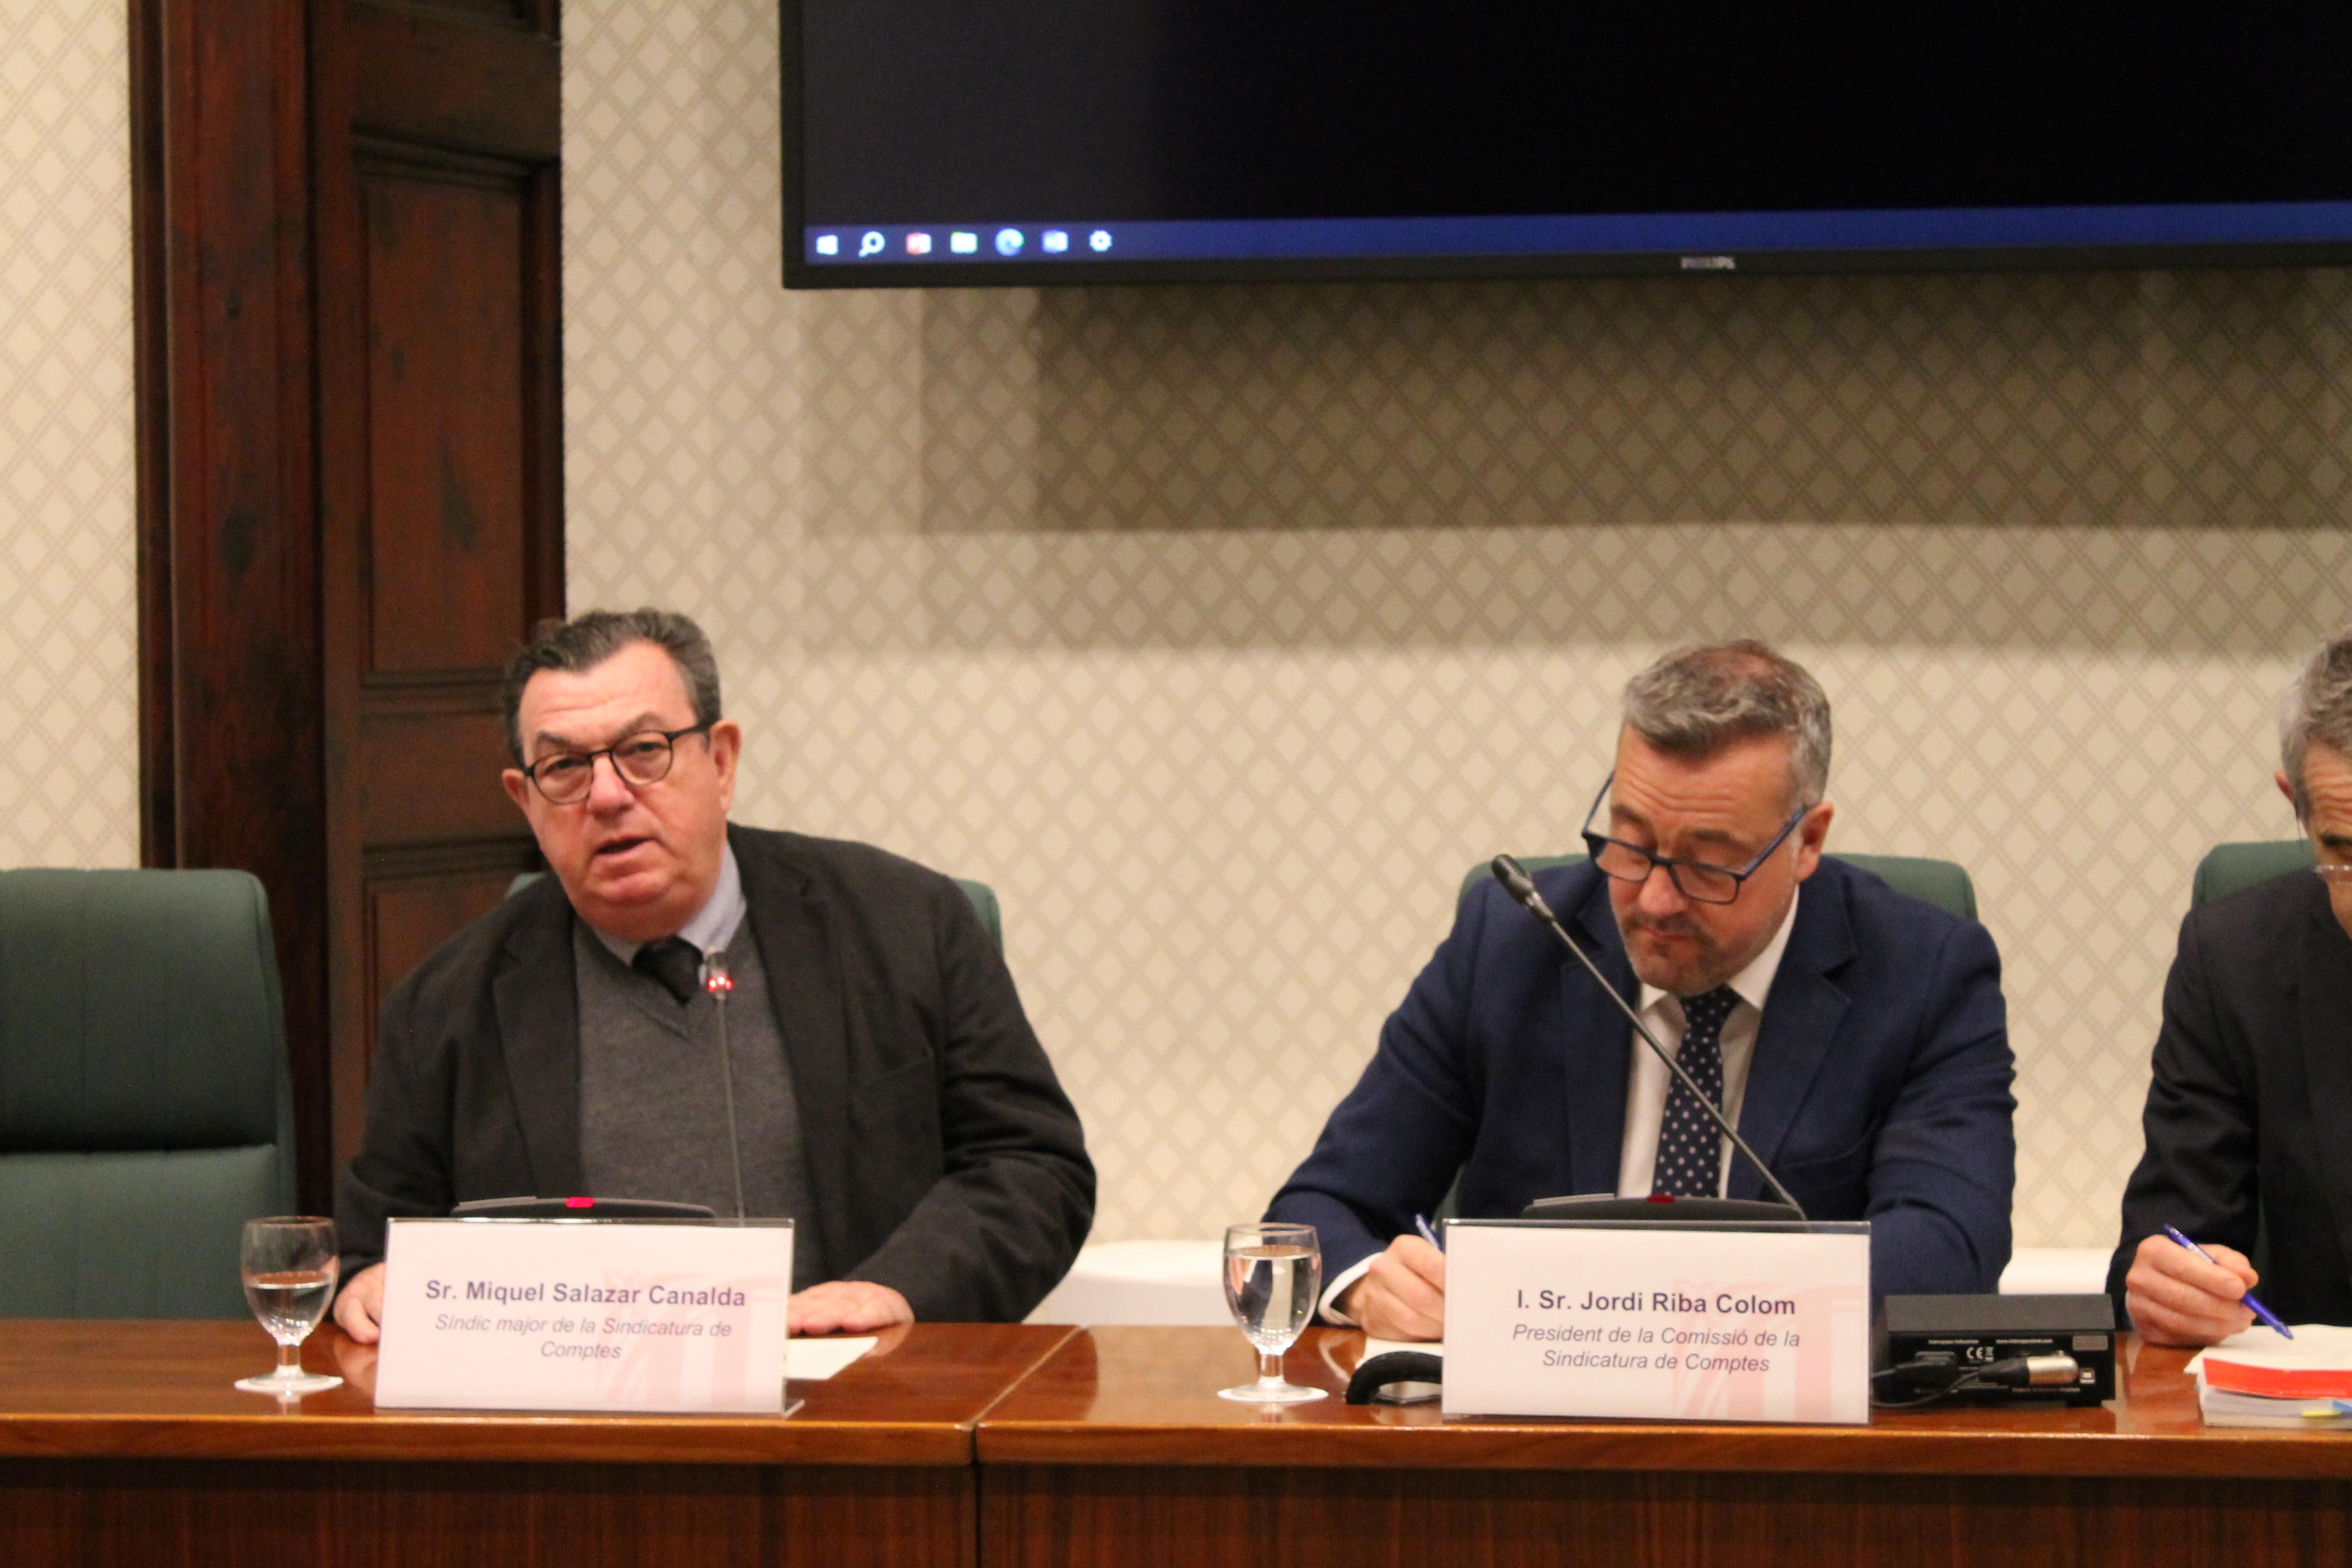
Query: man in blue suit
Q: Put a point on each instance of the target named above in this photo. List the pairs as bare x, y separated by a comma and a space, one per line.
1857, 1037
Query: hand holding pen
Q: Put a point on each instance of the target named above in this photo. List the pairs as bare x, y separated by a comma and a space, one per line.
2181, 1294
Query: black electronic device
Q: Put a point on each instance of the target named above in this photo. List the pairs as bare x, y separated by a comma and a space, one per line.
581, 1208
939, 143
1996, 1350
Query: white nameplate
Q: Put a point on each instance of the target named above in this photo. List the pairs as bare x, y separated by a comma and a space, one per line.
570, 1315
1659, 1323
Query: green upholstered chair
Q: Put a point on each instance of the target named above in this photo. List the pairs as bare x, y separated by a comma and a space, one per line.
983, 896
145, 1113
1938, 882
2231, 868
984, 903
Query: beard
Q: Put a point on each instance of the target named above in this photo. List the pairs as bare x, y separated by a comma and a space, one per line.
1678, 953
1675, 954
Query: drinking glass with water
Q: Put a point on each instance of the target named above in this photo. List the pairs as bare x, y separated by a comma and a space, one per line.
289, 1266
1274, 1275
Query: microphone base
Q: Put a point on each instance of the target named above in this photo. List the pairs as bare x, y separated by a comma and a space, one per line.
1663, 1210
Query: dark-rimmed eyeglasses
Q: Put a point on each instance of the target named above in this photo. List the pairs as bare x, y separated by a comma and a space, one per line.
564, 778
1697, 880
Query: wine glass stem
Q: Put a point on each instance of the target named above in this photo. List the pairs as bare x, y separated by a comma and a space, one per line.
1269, 1368
289, 1359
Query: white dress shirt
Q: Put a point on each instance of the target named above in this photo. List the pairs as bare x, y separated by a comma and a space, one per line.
1647, 1079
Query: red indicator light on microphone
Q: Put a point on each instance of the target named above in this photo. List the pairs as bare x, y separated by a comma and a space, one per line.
580, 1203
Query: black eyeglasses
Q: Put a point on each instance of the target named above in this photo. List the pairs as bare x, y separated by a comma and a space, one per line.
566, 777
1694, 879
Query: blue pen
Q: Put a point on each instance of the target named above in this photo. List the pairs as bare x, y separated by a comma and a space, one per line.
1420, 1224
2252, 1306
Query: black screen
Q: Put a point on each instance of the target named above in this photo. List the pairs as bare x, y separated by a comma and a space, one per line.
1304, 136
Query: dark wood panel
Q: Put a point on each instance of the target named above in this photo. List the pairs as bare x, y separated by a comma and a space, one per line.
1078, 1516
445, 79
447, 424
409, 917
425, 1514
152, 374
519, 12
232, 740
431, 778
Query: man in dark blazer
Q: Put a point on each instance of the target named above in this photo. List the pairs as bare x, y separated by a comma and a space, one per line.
905, 1114
1857, 1037
2249, 1116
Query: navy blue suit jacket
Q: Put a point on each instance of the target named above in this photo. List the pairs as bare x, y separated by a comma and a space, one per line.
1879, 1088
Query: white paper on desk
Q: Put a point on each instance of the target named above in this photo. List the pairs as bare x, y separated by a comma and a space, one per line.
2317, 1347
1373, 1347
813, 1361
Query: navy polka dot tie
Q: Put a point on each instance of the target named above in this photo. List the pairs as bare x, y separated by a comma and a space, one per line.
1690, 1145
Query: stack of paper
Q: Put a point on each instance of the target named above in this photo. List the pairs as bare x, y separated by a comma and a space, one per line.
2260, 1378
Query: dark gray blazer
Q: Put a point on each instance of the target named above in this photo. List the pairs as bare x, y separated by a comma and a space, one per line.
944, 1160
2249, 1118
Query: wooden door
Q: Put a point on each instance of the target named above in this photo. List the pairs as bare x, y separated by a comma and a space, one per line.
435, 152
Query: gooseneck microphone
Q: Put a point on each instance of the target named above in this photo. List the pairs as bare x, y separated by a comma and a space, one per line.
1522, 889
719, 982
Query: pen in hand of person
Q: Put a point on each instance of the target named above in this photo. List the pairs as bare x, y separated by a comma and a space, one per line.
2256, 1307
1420, 1224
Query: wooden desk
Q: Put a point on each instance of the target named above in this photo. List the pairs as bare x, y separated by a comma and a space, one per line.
124, 1442
1117, 1451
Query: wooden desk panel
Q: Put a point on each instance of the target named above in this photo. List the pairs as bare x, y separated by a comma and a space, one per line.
125, 1443
1117, 1451
138, 1512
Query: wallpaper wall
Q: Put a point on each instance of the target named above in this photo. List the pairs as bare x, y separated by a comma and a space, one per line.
1223, 629
69, 639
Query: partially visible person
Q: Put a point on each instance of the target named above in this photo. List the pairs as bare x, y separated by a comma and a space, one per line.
1857, 1037
876, 1080
2249, 1117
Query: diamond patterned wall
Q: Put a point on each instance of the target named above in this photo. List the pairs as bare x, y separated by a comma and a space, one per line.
1223, 629
68, 634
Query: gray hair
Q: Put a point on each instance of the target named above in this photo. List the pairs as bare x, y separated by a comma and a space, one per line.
2317, 707
587, 641
1697, 701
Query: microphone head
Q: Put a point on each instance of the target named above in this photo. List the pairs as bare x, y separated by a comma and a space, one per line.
1520, 885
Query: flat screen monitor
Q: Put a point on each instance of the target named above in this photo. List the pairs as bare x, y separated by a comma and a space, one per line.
986, 141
